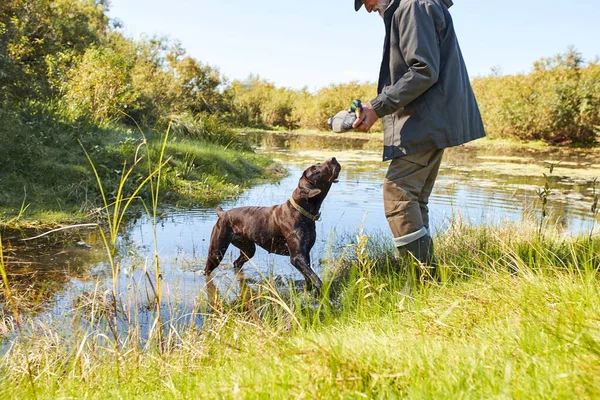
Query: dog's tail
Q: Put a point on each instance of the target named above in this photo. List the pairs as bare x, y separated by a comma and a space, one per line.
220, 211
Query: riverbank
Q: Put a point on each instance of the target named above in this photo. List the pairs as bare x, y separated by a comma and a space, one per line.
58, 187
515, 316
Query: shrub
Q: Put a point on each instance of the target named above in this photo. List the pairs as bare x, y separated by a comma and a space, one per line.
100, 87
558, 102
257, 102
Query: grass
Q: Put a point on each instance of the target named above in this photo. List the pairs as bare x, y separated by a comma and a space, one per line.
515, 316
206, 174
57, 187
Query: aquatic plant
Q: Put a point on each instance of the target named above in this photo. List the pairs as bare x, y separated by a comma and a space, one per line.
8, 295
594, 208
543, 194
114, 214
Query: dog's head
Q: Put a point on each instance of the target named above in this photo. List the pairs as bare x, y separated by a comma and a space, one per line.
317, 179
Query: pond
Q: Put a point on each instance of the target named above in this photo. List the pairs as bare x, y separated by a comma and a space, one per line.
488, 184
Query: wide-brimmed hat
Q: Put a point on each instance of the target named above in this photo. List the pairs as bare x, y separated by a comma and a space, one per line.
357, 4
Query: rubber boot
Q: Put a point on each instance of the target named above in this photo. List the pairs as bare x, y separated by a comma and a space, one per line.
420, 252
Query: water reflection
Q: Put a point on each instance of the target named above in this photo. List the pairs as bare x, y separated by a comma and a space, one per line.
40, 271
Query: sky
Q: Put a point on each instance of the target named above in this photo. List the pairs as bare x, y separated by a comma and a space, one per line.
314, 43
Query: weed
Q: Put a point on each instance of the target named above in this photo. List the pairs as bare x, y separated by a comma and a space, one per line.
594, 209
543, 195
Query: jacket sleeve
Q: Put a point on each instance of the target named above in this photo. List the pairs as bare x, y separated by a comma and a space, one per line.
420, 48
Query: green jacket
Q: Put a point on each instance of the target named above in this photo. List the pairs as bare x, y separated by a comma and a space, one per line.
425, 98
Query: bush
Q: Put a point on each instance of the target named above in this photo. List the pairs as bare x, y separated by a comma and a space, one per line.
99, 88
558, 102
257, 102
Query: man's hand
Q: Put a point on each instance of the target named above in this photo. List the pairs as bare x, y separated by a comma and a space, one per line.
367, 118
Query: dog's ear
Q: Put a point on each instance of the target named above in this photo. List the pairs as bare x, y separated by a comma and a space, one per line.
306, 188
305, 192
310, 193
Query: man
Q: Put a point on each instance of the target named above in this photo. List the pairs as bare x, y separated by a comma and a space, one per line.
426, 104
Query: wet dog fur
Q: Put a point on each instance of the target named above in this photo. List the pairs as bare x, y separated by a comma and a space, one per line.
280, 229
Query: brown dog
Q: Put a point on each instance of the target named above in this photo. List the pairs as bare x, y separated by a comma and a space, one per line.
287, 229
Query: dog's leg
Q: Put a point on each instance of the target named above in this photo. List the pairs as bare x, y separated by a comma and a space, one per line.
219, 242
302, 263
247, 250
300, 258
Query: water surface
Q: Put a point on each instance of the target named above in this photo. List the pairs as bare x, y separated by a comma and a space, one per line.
481, 185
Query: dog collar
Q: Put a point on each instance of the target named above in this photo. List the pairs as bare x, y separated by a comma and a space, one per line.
304, 212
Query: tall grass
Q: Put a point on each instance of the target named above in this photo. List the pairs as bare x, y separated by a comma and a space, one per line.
114, 214
6, 287
516, 315
208, 128
16, 316
155, 192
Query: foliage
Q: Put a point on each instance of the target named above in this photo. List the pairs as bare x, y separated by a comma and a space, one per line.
257, 102
168, 83
36, 34
67, 74
558, 102
99, 87
66, 53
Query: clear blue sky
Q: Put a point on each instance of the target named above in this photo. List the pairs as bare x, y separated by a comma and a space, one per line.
315, 43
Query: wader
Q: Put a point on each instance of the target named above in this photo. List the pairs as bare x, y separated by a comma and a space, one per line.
406, 190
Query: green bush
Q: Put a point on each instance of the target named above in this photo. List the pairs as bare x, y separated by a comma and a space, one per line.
100, 88
558, 102
168, 82
257, 102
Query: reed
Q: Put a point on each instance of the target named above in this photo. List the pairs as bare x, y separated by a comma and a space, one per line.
16, 316
115, 211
